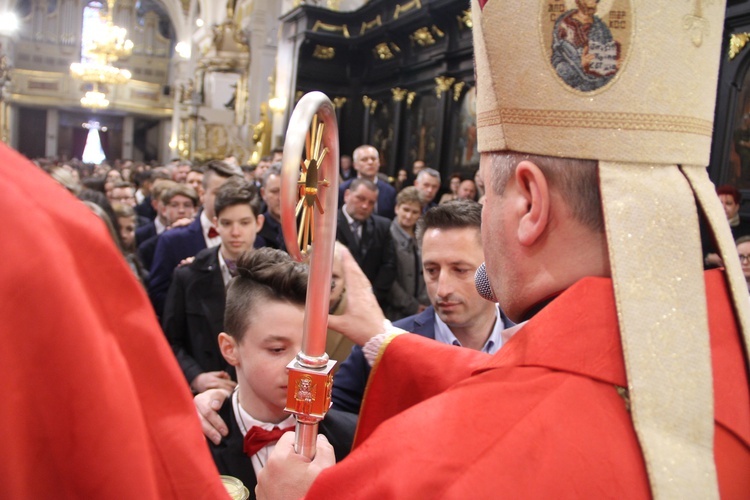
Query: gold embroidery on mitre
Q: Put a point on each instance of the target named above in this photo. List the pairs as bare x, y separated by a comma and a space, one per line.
600, 120
696, 24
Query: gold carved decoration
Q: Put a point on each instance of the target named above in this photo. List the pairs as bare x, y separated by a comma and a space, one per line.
410, 99
262, 132
457, 89
399, 94
298, 95
323, 52
331, 28
737, 42
696, 24
443, 84
339, 102
422, 37
384, 51
406, 7
369, 25
464, 20
370, 104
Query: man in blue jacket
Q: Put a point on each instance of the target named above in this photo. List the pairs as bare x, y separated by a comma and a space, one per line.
451, 252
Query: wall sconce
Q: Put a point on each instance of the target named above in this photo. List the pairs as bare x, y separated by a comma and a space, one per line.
277, 105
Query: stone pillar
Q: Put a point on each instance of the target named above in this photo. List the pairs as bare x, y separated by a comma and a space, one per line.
127, 137
53, 126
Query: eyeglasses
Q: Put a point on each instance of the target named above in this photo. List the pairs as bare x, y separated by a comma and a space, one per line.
744, 258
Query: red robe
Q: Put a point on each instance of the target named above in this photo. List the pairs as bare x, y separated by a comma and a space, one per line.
93, 402
542, 418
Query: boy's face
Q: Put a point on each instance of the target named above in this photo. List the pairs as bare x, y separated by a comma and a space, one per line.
179, 207
262, 355
237, 226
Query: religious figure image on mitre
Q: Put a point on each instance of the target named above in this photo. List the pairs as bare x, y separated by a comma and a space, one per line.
584, 52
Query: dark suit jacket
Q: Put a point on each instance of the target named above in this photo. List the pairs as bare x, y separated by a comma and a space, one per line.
145, 209
375, 254
386, 198
172, 246
270, 234
146, 251
338, 427
144, 232
194, 315
350, 380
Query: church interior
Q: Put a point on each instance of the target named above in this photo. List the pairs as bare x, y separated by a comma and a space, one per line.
200, 80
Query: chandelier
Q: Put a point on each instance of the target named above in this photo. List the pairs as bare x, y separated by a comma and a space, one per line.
110, 41
94, 99
98, 72
109, 44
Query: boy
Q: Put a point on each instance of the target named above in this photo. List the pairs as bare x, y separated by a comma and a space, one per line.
263, 333
194, 310
176, 205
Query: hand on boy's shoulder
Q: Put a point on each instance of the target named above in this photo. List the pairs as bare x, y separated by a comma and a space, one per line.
208, 404
181, 222
212, 380
186, 261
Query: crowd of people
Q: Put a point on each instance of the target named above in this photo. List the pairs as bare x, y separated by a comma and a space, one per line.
560, 339
186, 231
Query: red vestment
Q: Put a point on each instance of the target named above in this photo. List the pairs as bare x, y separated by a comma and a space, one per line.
94, 404
542, 418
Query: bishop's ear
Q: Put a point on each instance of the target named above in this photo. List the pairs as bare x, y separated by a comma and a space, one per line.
533, 187
229, 349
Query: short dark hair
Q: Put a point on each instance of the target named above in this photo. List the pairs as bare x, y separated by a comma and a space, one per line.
237, 191
220, 168
361, 181
262, 275
457, 214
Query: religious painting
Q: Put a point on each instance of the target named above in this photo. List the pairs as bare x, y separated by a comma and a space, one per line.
466, 153
587, 40
382, 138
739, 154
423, 120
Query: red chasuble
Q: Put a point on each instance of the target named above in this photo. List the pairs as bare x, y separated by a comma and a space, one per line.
94, 404
546, 417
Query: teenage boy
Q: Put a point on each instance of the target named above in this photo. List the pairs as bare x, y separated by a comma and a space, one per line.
176, 207
270, 289
174, 246
194, 309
